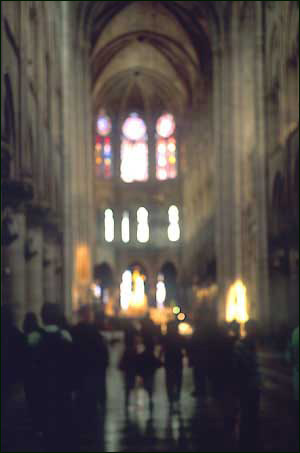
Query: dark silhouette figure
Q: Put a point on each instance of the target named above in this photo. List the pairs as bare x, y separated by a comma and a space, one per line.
13, 348
202, 354
91, 361
128, 364
30, 323
173, 362
52, 352
249, 388
147, 365
223, 376
33, 333
149, 331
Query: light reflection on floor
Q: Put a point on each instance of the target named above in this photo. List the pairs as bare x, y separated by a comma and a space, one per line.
194, 428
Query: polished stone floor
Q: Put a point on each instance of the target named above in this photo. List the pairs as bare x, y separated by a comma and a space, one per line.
193, 428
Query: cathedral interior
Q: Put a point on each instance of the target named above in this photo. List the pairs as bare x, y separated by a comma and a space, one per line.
150, 169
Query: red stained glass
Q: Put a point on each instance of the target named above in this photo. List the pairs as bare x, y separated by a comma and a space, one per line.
103, 157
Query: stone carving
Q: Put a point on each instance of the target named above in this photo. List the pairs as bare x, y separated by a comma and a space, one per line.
30, 248
47, 256
9, 230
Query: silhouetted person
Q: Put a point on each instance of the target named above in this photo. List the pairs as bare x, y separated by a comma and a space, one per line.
91, 358
223, 376
293, 358
30, 323
173, 362
234, 330
249, 387
147, 365
13, 348
148, 330
128, 363
64, 323
52, 350
32, 332
201, 352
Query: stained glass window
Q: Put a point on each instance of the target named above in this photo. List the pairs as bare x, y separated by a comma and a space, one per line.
165, 125
160, 291
103, 125
134, 150
166, 161
103, 150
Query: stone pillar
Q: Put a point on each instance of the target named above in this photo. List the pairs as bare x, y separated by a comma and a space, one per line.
34, 268
217, 121
50, 231
49, 280
13, 255
224, 192
151, 152
118, 215
133, 226
59, 274
260, 172
151, 282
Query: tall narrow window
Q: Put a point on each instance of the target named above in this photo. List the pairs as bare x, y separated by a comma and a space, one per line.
134, 150
142, 225
125, 290
125, 227
166, 167
160, 291
109, 225
103, 151
173, 229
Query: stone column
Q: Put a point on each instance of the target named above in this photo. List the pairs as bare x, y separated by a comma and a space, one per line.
151, 282
260, 172
217, 121
133, 226
50, 232
59, 275
224, 192
49, 284
118, 215
13, 255
34, 268
151, 152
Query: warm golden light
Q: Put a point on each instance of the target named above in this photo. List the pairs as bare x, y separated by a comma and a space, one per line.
138, 294
236, 303
185, 328
161, 316
181, 317
206, 293
133, 298
83, 265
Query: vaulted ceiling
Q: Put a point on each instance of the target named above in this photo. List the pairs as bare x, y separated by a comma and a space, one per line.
149, 55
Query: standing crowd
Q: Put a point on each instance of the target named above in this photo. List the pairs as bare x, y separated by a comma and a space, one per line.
63, 370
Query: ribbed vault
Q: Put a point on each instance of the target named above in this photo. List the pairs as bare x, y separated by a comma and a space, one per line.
159, 52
